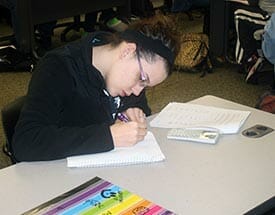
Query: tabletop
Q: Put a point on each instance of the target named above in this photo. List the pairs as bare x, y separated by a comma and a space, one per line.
230, 177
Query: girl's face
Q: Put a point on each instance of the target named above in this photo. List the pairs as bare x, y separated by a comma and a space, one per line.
129, 74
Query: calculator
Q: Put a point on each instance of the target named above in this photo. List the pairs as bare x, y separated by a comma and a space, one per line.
196, 134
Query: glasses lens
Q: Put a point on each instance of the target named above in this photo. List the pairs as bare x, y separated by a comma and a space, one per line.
143, 83
143, 77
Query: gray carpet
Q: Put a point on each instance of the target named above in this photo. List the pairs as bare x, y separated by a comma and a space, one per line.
224, 82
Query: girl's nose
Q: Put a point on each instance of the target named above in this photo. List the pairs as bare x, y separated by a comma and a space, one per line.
137, 89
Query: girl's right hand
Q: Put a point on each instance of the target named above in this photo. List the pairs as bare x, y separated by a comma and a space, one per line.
128, 134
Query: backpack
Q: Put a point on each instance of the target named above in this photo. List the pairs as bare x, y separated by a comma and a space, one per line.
12, 60
194, 55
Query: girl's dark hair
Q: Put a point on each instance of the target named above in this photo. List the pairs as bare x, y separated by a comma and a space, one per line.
158, 27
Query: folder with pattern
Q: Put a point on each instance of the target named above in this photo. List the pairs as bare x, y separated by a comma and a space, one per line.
101, 197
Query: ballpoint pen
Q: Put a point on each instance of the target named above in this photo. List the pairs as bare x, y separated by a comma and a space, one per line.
122, 117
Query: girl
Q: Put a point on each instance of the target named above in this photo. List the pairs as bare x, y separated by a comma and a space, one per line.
79, 92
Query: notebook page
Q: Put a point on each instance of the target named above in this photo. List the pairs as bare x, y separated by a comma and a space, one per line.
146, 151
182, 115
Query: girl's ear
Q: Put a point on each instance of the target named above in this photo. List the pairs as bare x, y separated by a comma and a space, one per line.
127, 49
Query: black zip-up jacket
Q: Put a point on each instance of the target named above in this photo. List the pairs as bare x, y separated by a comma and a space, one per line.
66, 111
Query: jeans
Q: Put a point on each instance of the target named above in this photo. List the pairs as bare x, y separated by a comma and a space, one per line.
185, 5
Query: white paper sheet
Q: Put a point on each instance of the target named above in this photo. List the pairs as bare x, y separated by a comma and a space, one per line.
146, 151
183, 115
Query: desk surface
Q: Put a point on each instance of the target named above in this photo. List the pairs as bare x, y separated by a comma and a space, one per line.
228, 178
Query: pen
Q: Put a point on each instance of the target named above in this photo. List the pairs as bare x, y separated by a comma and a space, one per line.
122, 117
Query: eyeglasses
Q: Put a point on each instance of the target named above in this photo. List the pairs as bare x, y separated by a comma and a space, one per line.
144, 80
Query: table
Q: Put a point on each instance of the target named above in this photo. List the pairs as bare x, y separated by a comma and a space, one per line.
33, 12
228, 178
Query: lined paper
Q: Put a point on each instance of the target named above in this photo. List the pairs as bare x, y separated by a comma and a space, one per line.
146, 151
184, 115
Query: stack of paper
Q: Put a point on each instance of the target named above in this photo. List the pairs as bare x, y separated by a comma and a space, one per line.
184, 115
146, 151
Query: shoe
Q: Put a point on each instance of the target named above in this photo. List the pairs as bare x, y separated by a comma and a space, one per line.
116, 24
131, 19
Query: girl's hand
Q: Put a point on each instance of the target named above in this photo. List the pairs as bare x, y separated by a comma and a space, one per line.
128, 134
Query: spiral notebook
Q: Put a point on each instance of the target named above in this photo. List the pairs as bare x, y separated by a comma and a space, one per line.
146, 151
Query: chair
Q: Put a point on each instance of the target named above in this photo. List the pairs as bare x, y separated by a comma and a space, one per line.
76, 24
10, 114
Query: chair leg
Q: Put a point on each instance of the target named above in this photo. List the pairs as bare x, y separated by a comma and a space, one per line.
64, 32
76, 25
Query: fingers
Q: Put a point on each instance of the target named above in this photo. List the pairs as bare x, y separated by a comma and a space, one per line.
135, 114
136, 130
128, 134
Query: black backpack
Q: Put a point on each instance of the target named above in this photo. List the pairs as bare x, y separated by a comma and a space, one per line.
12, 60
